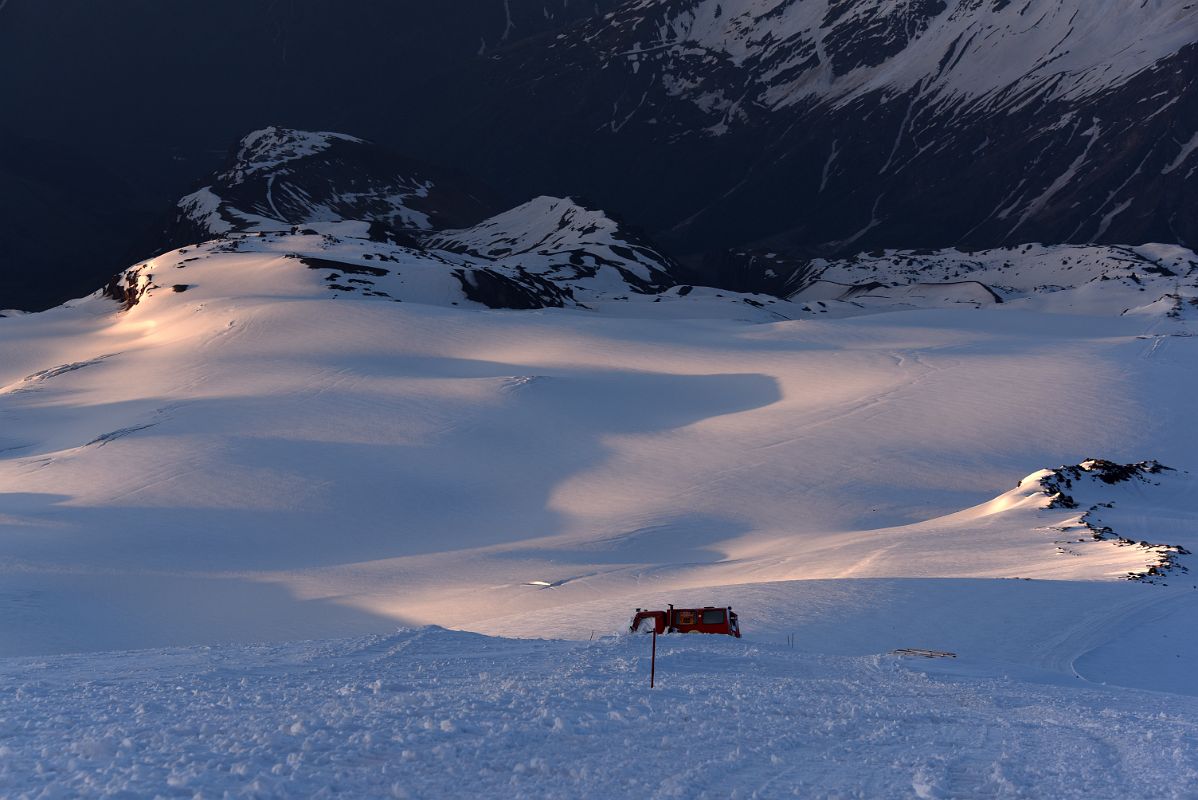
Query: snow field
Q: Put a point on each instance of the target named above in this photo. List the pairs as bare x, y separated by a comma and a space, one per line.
429, 713
257, 458
265, 458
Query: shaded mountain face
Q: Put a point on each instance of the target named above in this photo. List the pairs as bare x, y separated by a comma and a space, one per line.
832, 127
278, 177
726, 128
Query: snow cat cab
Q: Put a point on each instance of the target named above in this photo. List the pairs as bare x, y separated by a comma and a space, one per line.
709, 619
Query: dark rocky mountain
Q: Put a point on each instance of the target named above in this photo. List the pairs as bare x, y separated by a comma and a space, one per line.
826, 128
277, 178
728, 129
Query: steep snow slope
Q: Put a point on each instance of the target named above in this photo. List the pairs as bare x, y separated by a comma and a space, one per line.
822, 127
958, 49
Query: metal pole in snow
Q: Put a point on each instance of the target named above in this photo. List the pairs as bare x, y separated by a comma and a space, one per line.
653, 659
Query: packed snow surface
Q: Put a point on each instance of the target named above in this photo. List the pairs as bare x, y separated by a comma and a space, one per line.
430, 713
280, 436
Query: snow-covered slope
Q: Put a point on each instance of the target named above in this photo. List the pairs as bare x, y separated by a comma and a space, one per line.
283, 185
560, 240
264, 428
434, 714
250, 440
591, 267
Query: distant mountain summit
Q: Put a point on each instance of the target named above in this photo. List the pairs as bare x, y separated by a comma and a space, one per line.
566, 240
335, 201
277, 178
341, 205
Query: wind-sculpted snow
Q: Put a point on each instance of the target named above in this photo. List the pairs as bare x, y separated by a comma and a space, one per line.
266, 447
512, 429
296, 435
429, 713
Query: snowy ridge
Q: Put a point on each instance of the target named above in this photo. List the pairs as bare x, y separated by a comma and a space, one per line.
553, 253
1089, 484
547, 252
1153, 280
606, 276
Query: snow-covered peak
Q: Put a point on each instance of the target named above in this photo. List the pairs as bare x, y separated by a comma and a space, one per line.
269, 147
549, 234
543, 224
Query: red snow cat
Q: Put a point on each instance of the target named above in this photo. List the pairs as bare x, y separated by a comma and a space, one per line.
708, 619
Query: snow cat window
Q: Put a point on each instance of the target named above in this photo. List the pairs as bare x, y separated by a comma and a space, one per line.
714, 617
686, 618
